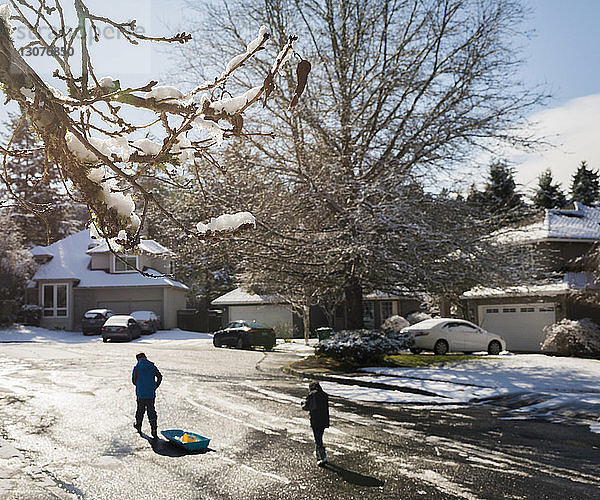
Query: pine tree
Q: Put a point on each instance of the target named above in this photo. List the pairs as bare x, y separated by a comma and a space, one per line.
500, 194
16, 263
548, 195
38, 201
586, 186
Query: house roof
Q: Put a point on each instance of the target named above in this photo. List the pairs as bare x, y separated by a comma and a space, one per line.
581, 223
148, 246
571, 281
71, 261
241, 297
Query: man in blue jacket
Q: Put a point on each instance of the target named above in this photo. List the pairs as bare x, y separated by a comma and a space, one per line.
146, 378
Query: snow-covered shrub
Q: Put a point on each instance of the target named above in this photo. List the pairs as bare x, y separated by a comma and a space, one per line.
417, 317
572, 338
395, 323
31, 314
362, 346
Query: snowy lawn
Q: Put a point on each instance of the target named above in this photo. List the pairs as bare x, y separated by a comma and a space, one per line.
20, 333
534, 385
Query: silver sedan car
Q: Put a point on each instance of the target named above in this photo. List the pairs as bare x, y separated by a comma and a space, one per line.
443, 335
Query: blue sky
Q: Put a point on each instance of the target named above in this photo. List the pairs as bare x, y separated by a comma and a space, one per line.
564, 51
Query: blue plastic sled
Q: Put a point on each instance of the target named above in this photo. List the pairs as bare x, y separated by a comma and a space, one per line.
174, 435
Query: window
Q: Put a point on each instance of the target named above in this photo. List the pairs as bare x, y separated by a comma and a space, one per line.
493, 310
54, 298
369, 313
527, 309
386, 309
131, 262
546, 309
509, 310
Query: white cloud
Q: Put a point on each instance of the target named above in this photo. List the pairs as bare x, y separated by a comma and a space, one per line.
573, 130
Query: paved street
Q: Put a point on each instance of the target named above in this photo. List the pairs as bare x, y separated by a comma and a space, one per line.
66, 414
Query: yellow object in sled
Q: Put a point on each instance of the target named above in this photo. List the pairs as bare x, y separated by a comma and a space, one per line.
186, 438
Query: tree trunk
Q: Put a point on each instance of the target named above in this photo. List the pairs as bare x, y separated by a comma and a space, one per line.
306, 321
353, 305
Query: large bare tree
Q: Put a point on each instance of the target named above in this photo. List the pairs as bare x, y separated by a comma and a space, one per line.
402, 93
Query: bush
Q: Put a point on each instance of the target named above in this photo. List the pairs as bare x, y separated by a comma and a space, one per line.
394, 324
31, 314
362, 346
572, 338
417, 317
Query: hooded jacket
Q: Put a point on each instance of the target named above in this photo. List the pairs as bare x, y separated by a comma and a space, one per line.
317, 403
146, 378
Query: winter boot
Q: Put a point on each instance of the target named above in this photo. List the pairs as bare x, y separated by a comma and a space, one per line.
153, 430
138, 427
321, 457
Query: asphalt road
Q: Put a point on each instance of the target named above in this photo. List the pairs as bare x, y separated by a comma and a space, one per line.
66, 412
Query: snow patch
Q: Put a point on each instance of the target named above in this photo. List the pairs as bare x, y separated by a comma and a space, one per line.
226, 222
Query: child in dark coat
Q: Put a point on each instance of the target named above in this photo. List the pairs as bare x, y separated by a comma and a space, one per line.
317, 403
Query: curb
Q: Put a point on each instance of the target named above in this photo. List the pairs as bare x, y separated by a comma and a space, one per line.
361, 383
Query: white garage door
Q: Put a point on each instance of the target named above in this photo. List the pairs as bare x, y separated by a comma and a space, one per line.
521, 325
276, 316
128, 306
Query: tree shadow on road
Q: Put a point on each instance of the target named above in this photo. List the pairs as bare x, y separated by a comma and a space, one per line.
353, 477
169, 449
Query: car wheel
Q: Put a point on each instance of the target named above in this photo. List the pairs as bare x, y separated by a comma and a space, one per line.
240, 343
494, 348
440, 348
217, 342
104, 339
415, 350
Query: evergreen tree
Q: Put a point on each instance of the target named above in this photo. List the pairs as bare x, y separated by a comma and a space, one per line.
586, 186
500, 194
39, 205
16, 263
548, 195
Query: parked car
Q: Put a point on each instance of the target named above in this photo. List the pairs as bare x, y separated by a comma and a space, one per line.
443, 335
122, 327
148, 320
244, 334
93, 320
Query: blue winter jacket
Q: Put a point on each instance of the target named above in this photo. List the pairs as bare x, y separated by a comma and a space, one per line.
146, 378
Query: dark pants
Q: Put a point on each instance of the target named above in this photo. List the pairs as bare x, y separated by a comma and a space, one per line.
145, 405
318, 432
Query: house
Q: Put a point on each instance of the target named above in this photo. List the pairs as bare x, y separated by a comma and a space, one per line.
79, 273
520, 313
275, 312
270, 310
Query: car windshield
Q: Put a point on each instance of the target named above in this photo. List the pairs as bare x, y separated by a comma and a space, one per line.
117, 321
95, 315
245, 324
142, 315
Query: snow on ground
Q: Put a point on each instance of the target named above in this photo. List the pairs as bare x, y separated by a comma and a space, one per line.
21, 333
531, 385
528, 385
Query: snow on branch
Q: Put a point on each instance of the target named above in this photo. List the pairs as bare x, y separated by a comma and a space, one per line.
97, 142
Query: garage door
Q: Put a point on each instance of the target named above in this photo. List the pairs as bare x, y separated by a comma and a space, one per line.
126, 307
274, 315
521, 325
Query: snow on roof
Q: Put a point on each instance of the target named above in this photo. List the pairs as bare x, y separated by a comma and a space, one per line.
571, 281
580, 223
148, 246
241, 297
40, 251
379, 295
70, 261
